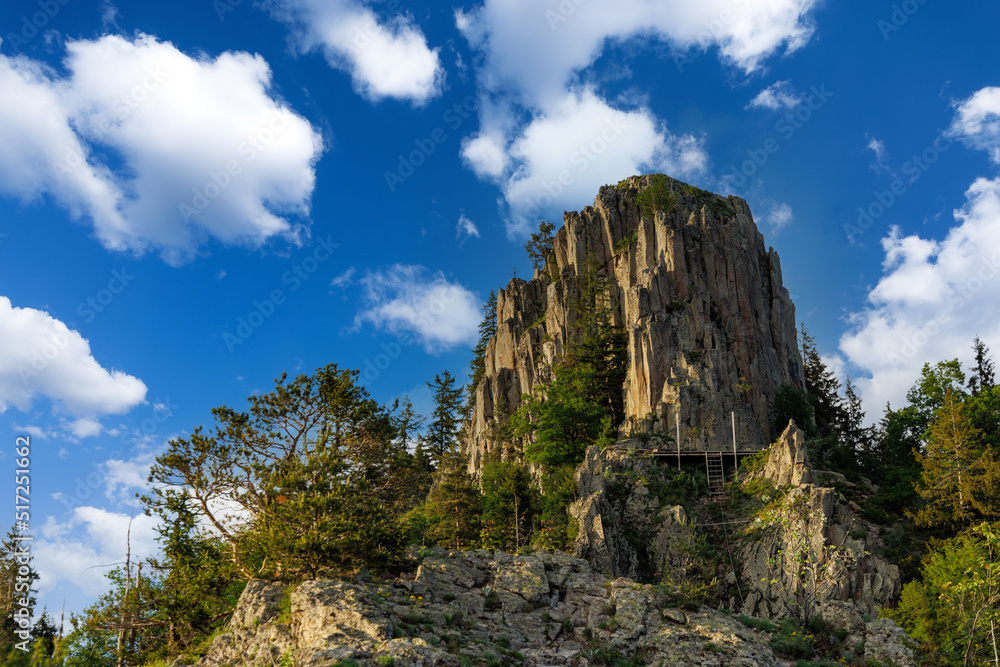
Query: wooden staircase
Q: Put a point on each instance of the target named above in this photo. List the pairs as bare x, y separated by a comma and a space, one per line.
716, 473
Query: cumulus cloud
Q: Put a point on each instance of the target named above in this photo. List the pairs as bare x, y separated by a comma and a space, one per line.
465, 229
933, 298
41, 357
562, 157
977, 121
384, 58
534, 112
201, 148
81, 549
410, 300
777, 96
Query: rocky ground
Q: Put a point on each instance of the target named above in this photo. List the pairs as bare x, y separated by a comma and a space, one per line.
486, 608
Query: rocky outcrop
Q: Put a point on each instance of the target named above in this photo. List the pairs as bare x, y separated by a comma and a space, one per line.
711, 328
817, 523
454, 608
626, 531
540, 609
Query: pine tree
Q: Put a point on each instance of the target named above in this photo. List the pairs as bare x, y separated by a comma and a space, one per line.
487, 328
540, 246
454, 504
446, 420
16, 587
822, 386
983, 377
508, 506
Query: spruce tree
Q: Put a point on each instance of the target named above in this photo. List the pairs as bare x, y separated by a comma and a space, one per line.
822, 386
446, 420
454, 505
487, 328
983, 376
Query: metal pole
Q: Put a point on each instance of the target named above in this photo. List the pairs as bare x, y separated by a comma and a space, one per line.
736, 460
677, 423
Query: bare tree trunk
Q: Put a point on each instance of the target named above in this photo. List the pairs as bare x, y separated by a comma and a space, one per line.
128, 585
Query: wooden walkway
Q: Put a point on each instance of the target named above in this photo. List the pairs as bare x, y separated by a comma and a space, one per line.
714, 466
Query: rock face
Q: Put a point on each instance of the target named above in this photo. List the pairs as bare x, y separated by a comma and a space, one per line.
818, 522
624, 531
538, 609
711, 328
454, 608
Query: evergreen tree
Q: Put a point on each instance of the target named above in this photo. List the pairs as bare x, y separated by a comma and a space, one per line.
983, 376
792, 404
927, 395
306, 469
823, 388
947, 477
540, 246
487, 328
446, 421
508, 506
454, 505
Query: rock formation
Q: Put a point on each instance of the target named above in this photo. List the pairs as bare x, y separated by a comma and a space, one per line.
454, 608
711, 328
819, 521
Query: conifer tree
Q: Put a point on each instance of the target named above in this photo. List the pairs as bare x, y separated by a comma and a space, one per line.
540, 246
446, 420
454, 505
983, 376
822, 386
487, 328
946, 477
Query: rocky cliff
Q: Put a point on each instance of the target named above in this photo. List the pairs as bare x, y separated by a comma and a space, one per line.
492, 608
711, 328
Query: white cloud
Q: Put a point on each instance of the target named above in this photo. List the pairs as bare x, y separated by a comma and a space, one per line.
934, 297
466, 228
538, 47
877, 146
85, 428
563, 157
407, 299
344, 279
385, 59
486, 155
977, 121
40, 356
778, 215
534, 111
201, 148
82, 549
777, 96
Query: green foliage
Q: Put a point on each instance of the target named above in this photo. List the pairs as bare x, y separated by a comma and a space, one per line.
760, 624
676, 307
791, 403
625, 242
509, 504
656, 197
454, 505
314, 468
953, 608
984, 374
793, 641
446, 420
584, 403
551, 525
540, 246
823, 389
487, 327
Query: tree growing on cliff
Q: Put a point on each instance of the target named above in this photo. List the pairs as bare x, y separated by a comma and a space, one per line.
487, 328
540, 246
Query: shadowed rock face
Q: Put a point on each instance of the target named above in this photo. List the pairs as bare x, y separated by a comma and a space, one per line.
711, 328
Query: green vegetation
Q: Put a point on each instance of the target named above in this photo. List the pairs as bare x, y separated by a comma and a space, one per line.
540, 246
656, 197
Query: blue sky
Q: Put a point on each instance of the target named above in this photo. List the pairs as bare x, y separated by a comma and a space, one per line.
198, 196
